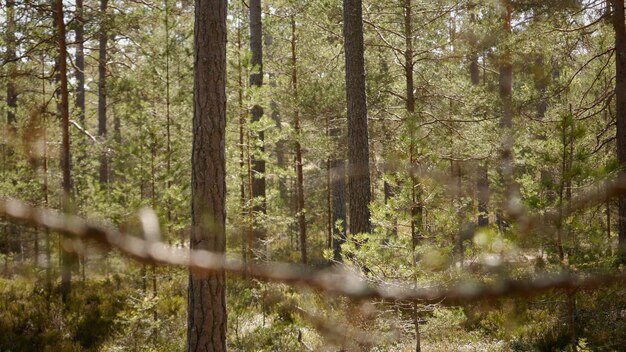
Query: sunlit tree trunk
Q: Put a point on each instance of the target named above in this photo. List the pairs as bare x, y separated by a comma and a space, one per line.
243, 172
506, 120
168, 118
279, 149
359, 195
620, 101
417, 209
206, 328
67, 260
298, 149
80, 62
482, 178
11, 65
338, 186
102, 91
14, 237
256, 80
44, 187
474, 68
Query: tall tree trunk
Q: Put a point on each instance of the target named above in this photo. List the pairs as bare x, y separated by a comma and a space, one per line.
80, 62
67, 260
296, 123
44, 138
474, 68
416, 190
358, 141
571, 295
102, 91
14, 237
482, 185
256, 81
243, 174
153, 155
11, 62
280, 143
482, 179
564, 230
168, 118
338, 175
329, 190
620, 100
416, 203
206, 329
506, 121
80, 90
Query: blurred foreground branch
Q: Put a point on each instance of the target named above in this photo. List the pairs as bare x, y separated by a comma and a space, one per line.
337, 281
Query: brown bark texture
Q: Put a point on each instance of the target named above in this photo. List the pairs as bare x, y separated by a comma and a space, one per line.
67, 260
360, 193
256, 80
80, 62
620, 101
206, 329
298, 148
102, 91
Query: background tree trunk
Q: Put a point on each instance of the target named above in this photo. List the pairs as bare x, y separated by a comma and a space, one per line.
14, 237
296, 125
11, 62
206, 329
338, 187
256, 80
80, 62
620, 100
506, 121
68, 260
482, 184
279, 148
102, 91
243, 159
360, 193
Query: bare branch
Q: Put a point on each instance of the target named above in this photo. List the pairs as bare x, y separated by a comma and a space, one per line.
338, 282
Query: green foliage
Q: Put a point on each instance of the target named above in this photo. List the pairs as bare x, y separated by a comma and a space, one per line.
429, 159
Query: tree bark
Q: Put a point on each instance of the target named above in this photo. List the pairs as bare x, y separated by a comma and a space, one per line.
506, 121
482, 180
14, 237
256, 81
45, 187
620, 100
243, 172
358, 142
102, 91
417, 208
474, 68
275, 115
483, 195
206, 330
11, 62
80, 62
67, 260
298, 149
329, 192
168, 118
416, 191
338, 174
